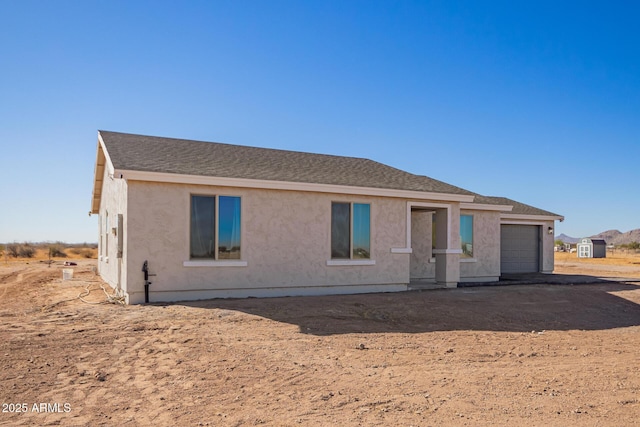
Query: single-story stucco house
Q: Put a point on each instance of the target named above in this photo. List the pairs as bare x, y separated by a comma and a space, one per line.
208, 220
592, 248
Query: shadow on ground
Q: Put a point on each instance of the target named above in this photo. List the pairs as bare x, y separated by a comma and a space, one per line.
518, 308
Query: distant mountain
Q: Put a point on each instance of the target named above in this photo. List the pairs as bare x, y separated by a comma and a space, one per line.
615, 237
567, 239
612, 237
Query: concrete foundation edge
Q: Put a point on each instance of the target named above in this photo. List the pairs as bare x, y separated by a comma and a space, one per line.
175, 296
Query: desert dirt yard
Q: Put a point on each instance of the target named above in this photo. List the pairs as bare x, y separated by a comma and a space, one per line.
543, 354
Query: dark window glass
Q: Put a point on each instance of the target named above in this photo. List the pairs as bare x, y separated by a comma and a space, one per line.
466, 235
361, 231
340, 230
228, 227
202, 226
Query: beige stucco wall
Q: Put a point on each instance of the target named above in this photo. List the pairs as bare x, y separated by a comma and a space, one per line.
113, 202
547, 247
421, 265
285, 242
485, 263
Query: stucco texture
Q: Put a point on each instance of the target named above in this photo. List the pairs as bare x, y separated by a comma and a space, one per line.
547, 247
485, 263
285, 243
114, 202
421, 237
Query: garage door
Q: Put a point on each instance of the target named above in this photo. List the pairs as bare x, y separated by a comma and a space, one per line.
519, 248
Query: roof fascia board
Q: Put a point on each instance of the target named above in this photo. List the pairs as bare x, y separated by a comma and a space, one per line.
521, 217
286, 185
514, 222
106, 155
485, 207
98, 177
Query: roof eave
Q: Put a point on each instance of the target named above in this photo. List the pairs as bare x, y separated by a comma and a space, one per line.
102, 161
486, 207
133, 175
530, 217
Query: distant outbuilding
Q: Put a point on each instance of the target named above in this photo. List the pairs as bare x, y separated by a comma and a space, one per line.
592, 248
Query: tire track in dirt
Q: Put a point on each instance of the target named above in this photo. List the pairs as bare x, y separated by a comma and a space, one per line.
497, 356
9, 280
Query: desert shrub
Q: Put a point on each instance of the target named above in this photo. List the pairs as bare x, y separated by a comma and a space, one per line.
21, 250
634, 246
57, 251
26, 251
13, 249
88, 253
83, 252
82, 245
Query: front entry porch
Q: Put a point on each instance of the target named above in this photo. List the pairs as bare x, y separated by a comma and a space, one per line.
434, 237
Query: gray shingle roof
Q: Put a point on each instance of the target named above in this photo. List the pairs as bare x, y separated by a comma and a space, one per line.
186, 157
598, 241
180, 156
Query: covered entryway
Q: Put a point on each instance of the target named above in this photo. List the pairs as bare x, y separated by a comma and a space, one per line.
434, 248
519, 248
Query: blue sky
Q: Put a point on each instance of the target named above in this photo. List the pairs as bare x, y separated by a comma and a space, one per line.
536, 101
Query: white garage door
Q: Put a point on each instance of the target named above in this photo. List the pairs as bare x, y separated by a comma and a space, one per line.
519, 248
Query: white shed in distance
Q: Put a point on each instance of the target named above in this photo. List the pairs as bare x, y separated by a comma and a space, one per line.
592, 248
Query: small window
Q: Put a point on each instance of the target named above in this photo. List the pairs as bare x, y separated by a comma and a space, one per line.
433, 231
350, 231
106, 233
466, 235
340, 230
361, 231
584, 251
215, 227
229, 227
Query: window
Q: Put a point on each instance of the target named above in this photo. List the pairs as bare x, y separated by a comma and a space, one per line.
584, 251
433, 231
106, 235
350, 231
215, 227
466, 235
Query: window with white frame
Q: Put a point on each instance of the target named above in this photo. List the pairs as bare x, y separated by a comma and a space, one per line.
584, 251
106, 234
215, 230
466, 235
350, 230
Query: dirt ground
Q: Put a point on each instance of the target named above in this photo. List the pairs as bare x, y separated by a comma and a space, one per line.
556, 355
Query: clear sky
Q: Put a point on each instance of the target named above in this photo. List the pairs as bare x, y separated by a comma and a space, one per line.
538, 101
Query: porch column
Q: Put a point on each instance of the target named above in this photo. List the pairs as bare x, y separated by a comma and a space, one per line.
447, 252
